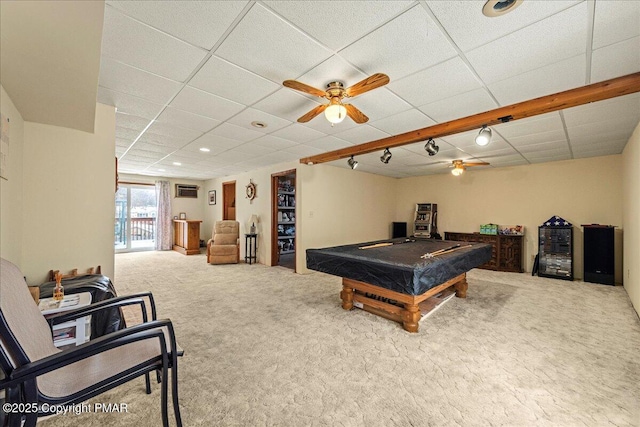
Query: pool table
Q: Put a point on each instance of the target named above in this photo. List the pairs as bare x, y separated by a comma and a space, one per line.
393, 278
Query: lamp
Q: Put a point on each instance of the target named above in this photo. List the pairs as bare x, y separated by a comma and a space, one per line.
484, 136
386, 156
431, 147
253, 220
352, 162
457, 170
335, 112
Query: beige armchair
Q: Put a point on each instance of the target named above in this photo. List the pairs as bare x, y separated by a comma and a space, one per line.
224, 245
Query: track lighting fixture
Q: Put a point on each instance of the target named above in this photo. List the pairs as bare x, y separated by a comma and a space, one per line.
386, 156
484, 136
431, 147
352, 162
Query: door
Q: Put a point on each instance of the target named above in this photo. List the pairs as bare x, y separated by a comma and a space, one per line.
135, 221
229, 200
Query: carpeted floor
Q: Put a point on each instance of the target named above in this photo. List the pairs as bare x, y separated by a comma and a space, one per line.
267, 347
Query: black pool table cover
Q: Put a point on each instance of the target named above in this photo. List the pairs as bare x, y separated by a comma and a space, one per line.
399, 267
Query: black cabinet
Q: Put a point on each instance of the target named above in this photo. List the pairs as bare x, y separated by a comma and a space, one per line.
555, 251
599, 259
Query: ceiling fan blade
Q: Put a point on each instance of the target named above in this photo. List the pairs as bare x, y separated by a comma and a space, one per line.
372, 82
476, 164
355, 114
311, 114
296, 85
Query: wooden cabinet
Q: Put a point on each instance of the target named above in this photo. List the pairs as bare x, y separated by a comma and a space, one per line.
186, 236
507, 249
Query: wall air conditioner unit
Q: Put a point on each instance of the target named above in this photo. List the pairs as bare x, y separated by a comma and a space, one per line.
185, 190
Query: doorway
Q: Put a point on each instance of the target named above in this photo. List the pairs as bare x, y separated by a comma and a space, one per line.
283, 219
135, 220
229, 200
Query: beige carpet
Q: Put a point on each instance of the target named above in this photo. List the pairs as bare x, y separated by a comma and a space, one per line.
267, 347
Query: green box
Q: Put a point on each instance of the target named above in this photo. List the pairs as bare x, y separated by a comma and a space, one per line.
489, 229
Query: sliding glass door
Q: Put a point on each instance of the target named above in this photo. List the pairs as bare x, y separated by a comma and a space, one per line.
135, 221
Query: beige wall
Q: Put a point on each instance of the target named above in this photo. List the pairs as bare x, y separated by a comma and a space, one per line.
11, 189
581, 191
631, 217
69, 184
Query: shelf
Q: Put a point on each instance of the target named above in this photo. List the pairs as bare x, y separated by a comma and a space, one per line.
290, 193
286, 223
286, 237
286, 252
286, 207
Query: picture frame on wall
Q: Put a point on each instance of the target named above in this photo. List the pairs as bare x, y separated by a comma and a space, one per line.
183, 215
212, 197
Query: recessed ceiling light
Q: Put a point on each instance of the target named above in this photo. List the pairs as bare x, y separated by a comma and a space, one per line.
494, 8
259, 125
205, 150
177, 164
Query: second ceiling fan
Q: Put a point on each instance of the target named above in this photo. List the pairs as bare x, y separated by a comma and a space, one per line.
335, 110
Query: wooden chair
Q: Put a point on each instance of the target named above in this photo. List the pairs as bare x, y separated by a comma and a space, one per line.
36, 372
224, 245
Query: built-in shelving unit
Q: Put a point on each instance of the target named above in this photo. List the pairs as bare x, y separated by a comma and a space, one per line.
286, 215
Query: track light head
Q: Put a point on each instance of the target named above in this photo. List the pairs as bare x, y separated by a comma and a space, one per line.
386, 156
431, 147
484, 136
352, 162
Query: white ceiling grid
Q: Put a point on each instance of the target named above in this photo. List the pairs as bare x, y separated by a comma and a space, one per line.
191, 74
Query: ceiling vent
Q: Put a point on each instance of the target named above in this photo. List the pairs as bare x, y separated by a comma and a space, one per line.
186, 190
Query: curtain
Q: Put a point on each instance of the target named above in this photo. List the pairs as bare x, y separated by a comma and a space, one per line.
163, 218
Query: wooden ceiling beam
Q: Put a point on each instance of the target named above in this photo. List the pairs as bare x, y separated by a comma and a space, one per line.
619, 86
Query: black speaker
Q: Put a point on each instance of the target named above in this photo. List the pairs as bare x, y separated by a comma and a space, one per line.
599, 258
399, 229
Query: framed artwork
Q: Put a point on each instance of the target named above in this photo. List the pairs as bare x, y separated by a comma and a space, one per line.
183, 215
212, 197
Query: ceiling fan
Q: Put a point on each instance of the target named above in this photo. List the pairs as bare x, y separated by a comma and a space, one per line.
335, 111
459, 166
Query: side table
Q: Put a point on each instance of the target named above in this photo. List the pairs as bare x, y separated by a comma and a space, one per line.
251, 248
74, 332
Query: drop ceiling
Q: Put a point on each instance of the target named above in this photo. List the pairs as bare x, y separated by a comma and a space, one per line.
186, 75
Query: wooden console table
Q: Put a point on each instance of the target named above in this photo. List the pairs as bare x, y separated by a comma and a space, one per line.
186, 236
507, 249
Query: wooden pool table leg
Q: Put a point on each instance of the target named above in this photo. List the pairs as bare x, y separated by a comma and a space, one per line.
461, 287
347, 297
410, 317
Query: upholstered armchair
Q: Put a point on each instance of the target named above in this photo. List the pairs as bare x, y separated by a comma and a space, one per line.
224, 245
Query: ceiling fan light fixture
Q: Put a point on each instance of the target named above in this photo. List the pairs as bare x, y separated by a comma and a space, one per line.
484, 136
386, 156
335, 113
457, 170
431, 147
353, 163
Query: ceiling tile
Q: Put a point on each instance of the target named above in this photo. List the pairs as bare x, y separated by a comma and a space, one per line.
205, 104
533, 130
333, 69
158, 139
378, 104
129, 104
123, 78
302, 150
409, 43
615, 21
176, 117
129, 121
178, 133
439, 82
469, 28
627, 106
559, 152
124, 38
156, 148
287, 104
561, 36
616, 60
463, 105
551, 159
257, 45
245, 118
200, 23
216, 143
273, 142
298, 133
361, 134
403, 122
362, 17
556, 135
567, 74
239, 133
126, 134
229, 81
328, 143
255, 149
543, 146
612, 129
